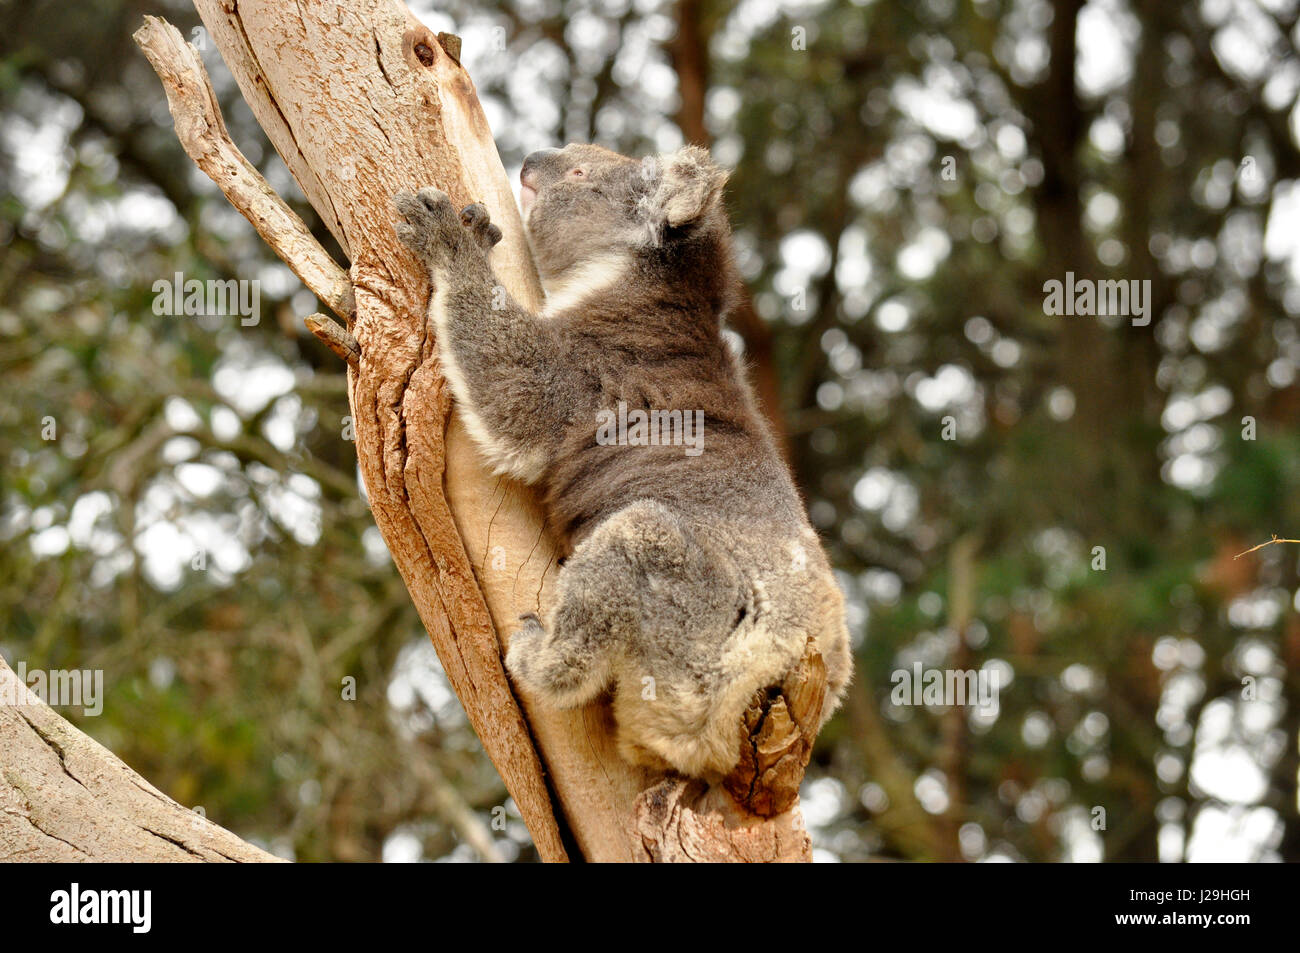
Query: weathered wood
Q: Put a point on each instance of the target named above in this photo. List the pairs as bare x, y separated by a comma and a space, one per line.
681, 821
781, 729
202, 133
334, 337
65, 797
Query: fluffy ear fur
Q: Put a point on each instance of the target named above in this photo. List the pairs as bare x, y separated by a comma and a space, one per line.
689, 186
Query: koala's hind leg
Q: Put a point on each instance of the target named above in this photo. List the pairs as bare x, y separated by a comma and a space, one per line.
597, 618
505, 367
566, 668
570, 659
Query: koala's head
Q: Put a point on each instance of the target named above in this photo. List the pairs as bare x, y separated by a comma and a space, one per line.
584, 204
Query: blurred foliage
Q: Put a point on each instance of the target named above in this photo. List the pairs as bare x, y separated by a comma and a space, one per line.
907, 177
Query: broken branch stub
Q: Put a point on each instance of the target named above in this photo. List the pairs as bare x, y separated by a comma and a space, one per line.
780, 728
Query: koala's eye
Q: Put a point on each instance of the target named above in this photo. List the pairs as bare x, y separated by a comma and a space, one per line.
577, 174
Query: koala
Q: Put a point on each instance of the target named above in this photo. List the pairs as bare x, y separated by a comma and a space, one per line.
690, 576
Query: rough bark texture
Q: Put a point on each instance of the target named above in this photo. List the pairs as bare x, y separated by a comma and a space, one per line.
362, 101
781, 728
65, 797
681, 821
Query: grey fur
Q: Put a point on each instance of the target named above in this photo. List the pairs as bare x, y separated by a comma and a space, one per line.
690, 582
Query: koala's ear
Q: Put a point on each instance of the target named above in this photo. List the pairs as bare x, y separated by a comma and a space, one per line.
689, 185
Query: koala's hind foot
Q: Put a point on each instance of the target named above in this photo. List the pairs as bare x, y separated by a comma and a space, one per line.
566, 666
596, 615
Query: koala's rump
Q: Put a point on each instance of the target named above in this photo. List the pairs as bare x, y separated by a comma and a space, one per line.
720, 609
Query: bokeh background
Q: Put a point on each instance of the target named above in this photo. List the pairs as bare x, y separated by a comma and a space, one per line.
907, 177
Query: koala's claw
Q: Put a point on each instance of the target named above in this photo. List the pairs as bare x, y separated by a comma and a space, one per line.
435, 200
428, 202
475, 217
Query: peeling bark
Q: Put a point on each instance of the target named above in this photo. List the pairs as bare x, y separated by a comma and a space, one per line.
780, 728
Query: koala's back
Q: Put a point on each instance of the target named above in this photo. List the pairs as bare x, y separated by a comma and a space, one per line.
640, 359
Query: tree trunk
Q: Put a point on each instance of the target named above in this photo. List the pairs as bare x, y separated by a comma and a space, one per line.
65, 797
362, 101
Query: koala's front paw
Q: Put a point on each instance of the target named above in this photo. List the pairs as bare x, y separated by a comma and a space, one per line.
475, 218
432, 229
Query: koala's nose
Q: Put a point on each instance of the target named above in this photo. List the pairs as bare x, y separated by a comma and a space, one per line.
532, 162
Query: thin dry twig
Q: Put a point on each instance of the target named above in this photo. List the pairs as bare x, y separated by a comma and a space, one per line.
1262, 545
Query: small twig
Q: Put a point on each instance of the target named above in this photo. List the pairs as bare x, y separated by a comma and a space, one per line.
1262, 545
334, 336
203, 135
